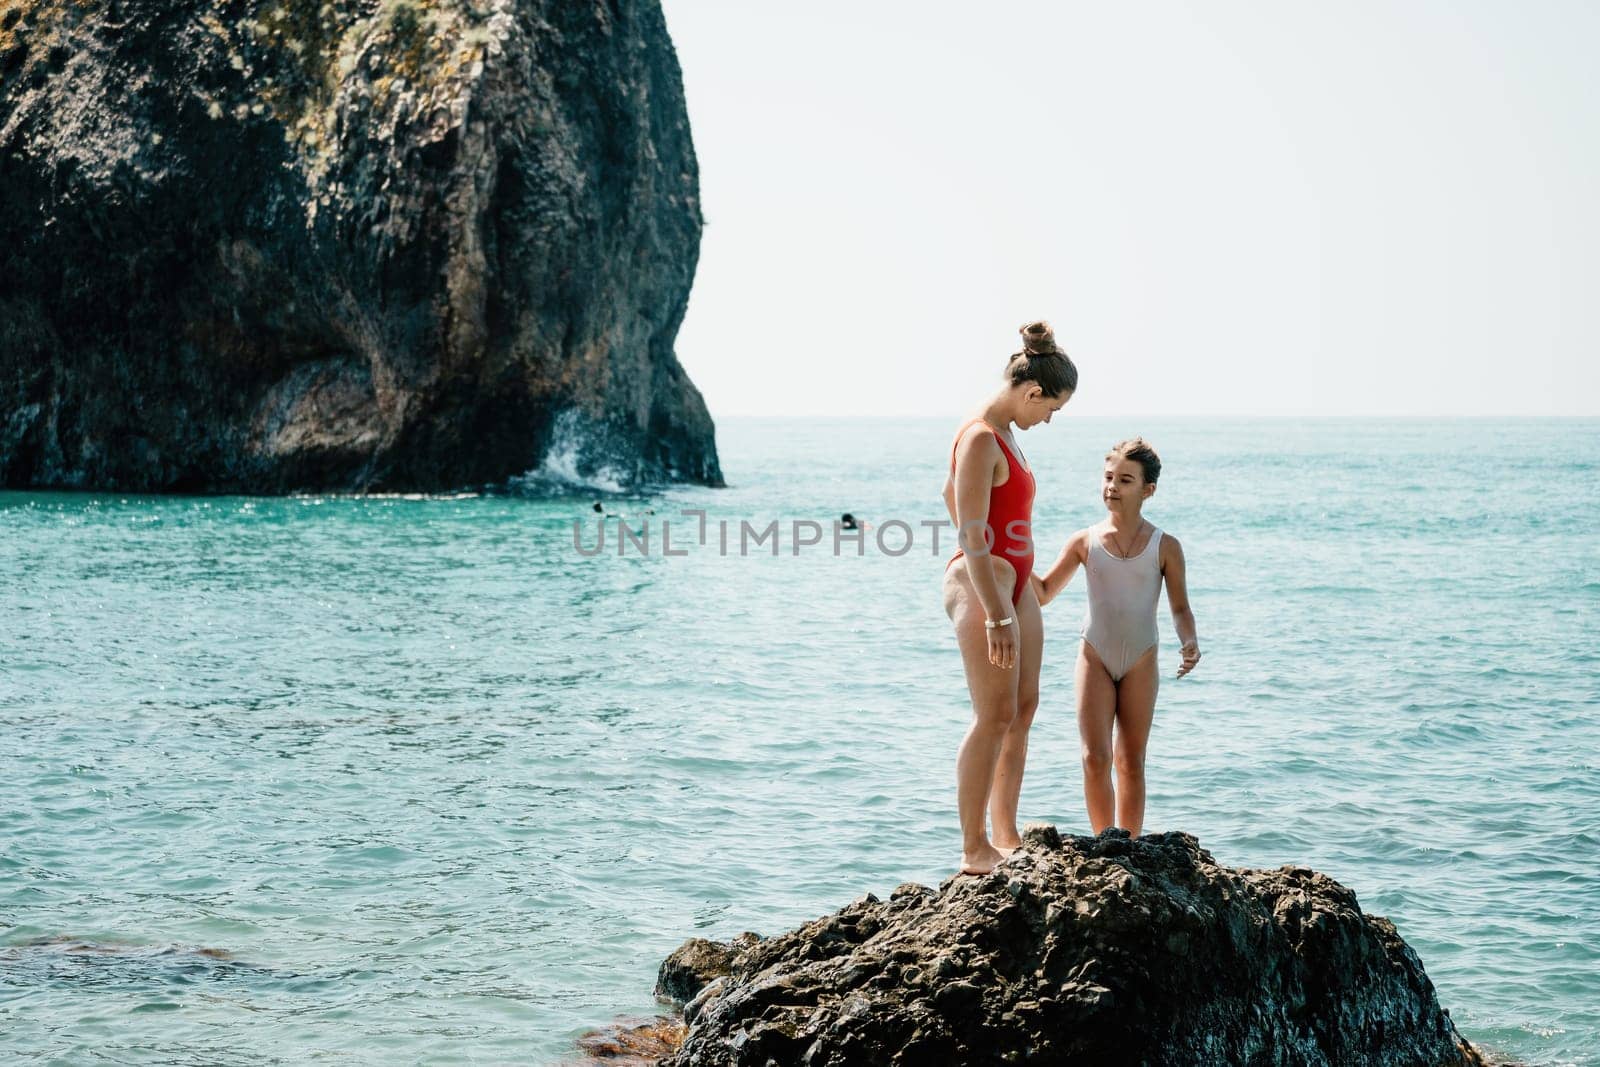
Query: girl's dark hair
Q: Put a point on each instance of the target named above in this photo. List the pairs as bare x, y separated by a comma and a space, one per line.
1138, 450
1042, 362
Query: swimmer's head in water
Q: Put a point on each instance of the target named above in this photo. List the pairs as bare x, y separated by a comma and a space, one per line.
1138, 452
1042, 363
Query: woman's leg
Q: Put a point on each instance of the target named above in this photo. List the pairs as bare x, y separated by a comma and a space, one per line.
994, 706
1136, 708
1007, 789
1097, 710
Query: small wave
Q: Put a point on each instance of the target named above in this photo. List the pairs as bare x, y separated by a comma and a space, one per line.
451, 494
568, 464
1337, 590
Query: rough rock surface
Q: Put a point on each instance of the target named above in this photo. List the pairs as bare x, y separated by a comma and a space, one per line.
698, 962
369, 244
1081, 951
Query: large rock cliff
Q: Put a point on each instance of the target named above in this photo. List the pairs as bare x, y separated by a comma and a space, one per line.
368, 244
1094, 951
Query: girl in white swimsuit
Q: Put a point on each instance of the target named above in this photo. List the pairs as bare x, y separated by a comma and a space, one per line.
1125, 559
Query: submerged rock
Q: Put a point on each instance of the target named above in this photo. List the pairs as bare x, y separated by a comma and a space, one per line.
1083, 950
107, 964
344, 244
631, 1042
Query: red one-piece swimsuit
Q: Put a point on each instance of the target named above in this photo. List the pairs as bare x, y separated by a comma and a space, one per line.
1010, 513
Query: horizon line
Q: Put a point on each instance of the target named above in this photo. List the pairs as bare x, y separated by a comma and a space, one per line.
1173, 415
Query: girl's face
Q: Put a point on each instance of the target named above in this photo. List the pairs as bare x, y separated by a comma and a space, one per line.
1123, 486
1037, 408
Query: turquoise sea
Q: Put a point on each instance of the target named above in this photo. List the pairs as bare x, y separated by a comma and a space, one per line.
391, 780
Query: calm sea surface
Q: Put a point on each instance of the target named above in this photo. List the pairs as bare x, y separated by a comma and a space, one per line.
430, 785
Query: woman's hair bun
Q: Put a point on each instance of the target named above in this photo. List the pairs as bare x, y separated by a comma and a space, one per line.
1038, 339
1056, 376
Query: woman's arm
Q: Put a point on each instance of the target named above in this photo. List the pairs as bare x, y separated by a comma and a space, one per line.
1062, 570
976, 457
1173, 567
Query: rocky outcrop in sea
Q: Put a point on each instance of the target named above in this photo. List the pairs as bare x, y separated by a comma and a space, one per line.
1076, 950
269, 245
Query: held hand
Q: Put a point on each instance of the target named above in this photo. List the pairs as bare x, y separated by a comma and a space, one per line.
1003, 645
1191, 656
1038, 589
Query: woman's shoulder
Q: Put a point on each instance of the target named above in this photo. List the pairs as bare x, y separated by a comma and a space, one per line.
976, 426
975, 434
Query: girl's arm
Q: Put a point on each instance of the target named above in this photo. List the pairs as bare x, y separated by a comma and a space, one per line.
1173, 567
1062, 570
977, 455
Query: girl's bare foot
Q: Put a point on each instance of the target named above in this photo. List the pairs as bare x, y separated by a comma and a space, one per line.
1007, 842
981, 861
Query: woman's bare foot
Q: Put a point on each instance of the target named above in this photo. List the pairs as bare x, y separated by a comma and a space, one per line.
981, 861
1006, 841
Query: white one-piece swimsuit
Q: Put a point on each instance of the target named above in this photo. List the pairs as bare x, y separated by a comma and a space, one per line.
1121, 624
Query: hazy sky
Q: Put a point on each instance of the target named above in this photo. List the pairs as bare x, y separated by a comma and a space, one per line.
1286, 207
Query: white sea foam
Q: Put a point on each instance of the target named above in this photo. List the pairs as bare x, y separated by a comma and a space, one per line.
562, 468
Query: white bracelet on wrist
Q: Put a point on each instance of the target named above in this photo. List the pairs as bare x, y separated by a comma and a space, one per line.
994, 624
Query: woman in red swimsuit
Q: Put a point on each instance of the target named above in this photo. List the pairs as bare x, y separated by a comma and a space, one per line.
989, 598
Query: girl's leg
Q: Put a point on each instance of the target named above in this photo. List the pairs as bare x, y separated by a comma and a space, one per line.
994, 706
1097, 710
1136, 708
1007, 789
